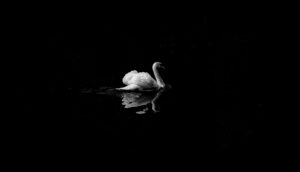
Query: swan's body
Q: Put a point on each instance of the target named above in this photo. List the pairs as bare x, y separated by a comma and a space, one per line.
143, 81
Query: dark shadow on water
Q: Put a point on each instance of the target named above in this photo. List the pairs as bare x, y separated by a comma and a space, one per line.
141, 101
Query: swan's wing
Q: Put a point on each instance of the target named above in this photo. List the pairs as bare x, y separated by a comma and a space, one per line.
126, 79
129, 87
143, 79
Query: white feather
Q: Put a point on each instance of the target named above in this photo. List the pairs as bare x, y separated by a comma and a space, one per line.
140, 80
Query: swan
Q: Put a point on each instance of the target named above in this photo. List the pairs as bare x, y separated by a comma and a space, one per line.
142, 81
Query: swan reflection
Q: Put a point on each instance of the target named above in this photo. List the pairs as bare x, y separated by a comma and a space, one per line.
136, 99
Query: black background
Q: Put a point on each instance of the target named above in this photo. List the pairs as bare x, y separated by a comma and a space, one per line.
215, 105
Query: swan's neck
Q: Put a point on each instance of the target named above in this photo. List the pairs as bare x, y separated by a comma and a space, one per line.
158, 78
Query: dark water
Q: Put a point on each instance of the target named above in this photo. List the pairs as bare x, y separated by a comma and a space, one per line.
214, 107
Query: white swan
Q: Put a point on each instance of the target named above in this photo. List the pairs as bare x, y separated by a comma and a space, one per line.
142, 81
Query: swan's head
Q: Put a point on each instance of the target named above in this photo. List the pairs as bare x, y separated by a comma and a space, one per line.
158, 65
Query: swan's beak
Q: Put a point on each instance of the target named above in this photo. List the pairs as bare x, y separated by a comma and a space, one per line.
162, 67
